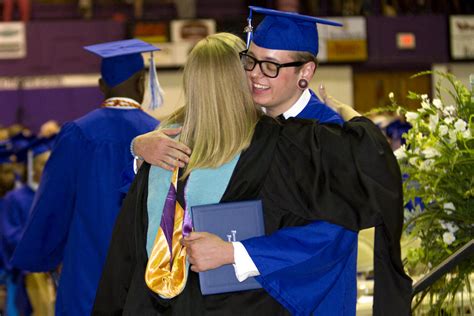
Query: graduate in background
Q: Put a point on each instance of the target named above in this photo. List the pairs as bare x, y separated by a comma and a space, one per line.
7, 171
395, 131
17, 143
7, 182
17, 204
75, 207
17, 302
303, 171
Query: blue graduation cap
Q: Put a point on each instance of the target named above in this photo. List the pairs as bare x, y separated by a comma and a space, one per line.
36, 147
20, 141
123, 59
285, 30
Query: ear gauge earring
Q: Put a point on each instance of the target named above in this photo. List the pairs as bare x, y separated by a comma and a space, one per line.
302, 83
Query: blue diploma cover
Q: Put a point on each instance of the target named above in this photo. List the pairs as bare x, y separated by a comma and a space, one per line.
233, 221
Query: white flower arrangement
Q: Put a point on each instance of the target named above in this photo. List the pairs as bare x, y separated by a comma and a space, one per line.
438, 162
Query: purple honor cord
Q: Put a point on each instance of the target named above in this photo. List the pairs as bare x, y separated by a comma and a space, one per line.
168, 216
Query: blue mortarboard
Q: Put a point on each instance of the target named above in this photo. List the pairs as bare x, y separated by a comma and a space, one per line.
35, 147
122, 59
20, 141
286, 30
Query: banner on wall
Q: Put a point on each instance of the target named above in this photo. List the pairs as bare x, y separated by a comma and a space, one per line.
170, 55
461, 30
191, 30
12, 40
151, 32
174, 49
175, 39
343, 44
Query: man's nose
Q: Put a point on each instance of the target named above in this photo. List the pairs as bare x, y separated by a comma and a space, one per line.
257, 72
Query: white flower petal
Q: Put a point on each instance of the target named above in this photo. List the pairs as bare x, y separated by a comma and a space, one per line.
449, 206
448, 120
411, 116
434, 119
460, 125
400, 153
437, 103
427, 164
449, 110
425, 105
448, 238
443, 130
431, 152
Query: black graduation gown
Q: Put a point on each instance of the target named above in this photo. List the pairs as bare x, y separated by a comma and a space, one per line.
302, 171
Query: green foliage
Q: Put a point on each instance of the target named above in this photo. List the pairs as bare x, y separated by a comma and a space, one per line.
439, 160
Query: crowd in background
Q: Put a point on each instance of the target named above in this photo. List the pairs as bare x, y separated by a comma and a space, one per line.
24, 9
22, 158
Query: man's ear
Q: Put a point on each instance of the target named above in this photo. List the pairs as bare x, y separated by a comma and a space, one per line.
102, 86
308, 70
141, 83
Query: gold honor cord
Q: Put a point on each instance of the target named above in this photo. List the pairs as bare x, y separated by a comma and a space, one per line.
164, 275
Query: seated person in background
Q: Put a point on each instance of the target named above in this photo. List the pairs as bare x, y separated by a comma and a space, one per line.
13, 218
395, 131
49, 129
304, 172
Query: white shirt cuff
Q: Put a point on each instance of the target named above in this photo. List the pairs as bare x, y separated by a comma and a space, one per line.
244, 266
135, 165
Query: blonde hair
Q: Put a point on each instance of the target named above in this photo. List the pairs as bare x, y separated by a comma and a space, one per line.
219, 116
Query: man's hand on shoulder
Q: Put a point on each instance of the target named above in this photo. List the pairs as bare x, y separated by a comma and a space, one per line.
160, 149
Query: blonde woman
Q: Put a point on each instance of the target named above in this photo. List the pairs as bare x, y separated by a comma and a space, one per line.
302, 171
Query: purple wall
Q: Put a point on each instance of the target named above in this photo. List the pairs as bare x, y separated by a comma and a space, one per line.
63, 105
53, 48
9, 100
36, 106
56, 47
44, 11
431, 33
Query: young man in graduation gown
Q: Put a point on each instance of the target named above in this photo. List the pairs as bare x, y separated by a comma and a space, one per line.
302, 268
279, 62
13, 220
75, 207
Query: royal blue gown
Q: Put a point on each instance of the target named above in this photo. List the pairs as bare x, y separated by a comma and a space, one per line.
13, 217
77, 202
334, 291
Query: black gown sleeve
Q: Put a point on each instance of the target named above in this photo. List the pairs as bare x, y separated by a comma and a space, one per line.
121, 259
343, 175
306, 171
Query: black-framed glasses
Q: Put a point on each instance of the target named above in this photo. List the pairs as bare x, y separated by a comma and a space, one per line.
268, 68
